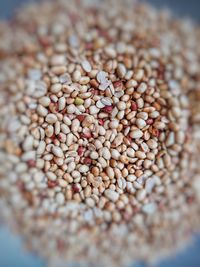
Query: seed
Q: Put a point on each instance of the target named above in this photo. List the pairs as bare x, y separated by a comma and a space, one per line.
114, 124
41, 148
58, 70
106, 101
142, 115
56, 88
159, 125
167, 160
121, 183
29, 155
139, 74
75, 125
93, 110
98, 144
78, 101
176, 112
28, 143
51, 118
94, 155
111, 195
88, 121
42, 111
131, 178
144, 147
136, 134
62, 183
86, 66
61, 103
45, 101
170, 140
110, 172
154, 114
140, 154
152, 144
99, 104
134, 106
38, 177
76, 76
124, 159
196, 185
147, 163
70, 138
73, 40
90, 202
115, 154
101, 76
35, 74
57, 151
121, 70
87, 161
108, 109
106, 153
149, 121
83, 169
110, 52
180, 137
67, 121
131, 83
51, 176
140, 103
65, 79
102, 162
84, 80
60, 198
71, 167
80, 118
130, 152
118, 140
149, 185
71, 109
119, 94
155, 132
140, 123
58, 60
64, 128
40, 89
103, 86
86, 135
149, 208
141, 194
121, 105
142, 88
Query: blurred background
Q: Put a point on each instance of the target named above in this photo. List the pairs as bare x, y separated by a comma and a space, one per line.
12, 252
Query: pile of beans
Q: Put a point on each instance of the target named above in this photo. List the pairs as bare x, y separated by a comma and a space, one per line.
99, 130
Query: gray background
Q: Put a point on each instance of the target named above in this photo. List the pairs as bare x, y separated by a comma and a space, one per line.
186, 8
12, 254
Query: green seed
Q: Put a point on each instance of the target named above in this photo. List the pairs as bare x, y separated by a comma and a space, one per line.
78, 101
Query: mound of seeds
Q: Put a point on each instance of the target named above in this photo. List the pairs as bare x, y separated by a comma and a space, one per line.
99, 130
